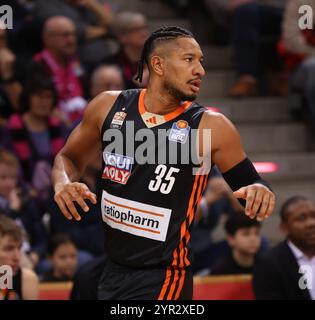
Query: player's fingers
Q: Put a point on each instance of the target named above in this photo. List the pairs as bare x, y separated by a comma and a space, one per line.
251, 192
240, 193
71, 207
258, 201
63, 208
91, 196
76, 197
82, 204
85, 192
264, 206
271, 206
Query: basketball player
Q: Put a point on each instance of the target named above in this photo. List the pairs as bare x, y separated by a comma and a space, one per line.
148, 209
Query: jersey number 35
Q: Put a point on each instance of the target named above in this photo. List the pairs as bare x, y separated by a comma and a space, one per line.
163, 173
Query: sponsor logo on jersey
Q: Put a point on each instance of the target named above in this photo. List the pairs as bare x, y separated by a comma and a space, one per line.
134, 217
118, 120
117, 167
179, 131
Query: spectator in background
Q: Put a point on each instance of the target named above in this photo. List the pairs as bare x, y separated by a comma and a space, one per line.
243, 236
131, 30
24, 37
298, 49
63, 256
251, 21
106, 78
92, 19
10, 86
58, 60
16, 203
287, 271
36, 135
25, 282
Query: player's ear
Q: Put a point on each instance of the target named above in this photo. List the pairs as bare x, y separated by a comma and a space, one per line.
157, 65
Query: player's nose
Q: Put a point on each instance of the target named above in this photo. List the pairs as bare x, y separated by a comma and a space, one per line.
200, 71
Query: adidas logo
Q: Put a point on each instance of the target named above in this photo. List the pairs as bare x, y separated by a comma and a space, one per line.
152, 120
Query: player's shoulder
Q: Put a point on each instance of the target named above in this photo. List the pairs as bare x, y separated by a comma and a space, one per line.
214, 120
99, 107
30, 285
105, 98
29, 276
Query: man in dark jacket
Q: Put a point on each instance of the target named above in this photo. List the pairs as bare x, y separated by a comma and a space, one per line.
287, 272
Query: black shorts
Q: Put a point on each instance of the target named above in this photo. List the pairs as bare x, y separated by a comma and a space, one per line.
123, 283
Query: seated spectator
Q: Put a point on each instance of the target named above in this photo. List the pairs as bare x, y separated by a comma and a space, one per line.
131, 30
253, 19
10, 86
243, 236
58, 61
92, 19
106, 78
85, 283
25, 282
280, 274
298, 50
63, 256
16, 203
36, 135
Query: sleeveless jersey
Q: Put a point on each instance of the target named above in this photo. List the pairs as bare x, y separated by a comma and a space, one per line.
16, 292
148, 208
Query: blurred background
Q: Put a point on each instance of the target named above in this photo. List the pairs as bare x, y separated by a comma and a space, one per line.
61, 53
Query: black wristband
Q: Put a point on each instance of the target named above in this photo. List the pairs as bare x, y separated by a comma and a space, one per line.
243, 174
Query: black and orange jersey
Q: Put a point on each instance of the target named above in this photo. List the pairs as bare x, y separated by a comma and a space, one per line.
148, 207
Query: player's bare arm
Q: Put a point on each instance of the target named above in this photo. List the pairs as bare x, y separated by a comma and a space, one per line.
227, 153
73, 158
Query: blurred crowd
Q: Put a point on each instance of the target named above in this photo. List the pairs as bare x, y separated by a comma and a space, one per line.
60, 55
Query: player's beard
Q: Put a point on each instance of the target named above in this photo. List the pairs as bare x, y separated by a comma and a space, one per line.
177, 93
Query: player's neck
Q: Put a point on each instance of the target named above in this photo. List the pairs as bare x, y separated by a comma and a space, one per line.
159, 102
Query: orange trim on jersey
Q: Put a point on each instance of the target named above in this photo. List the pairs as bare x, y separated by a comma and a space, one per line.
190, 216
199, 181
165, 284
181, 283
198, 199
184, 261
141, 106
130, 225
181, 252
188, 213
170, 294
167, 117
139, 210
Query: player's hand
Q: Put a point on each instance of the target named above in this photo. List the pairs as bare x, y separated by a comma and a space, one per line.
67, 194
260, 201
